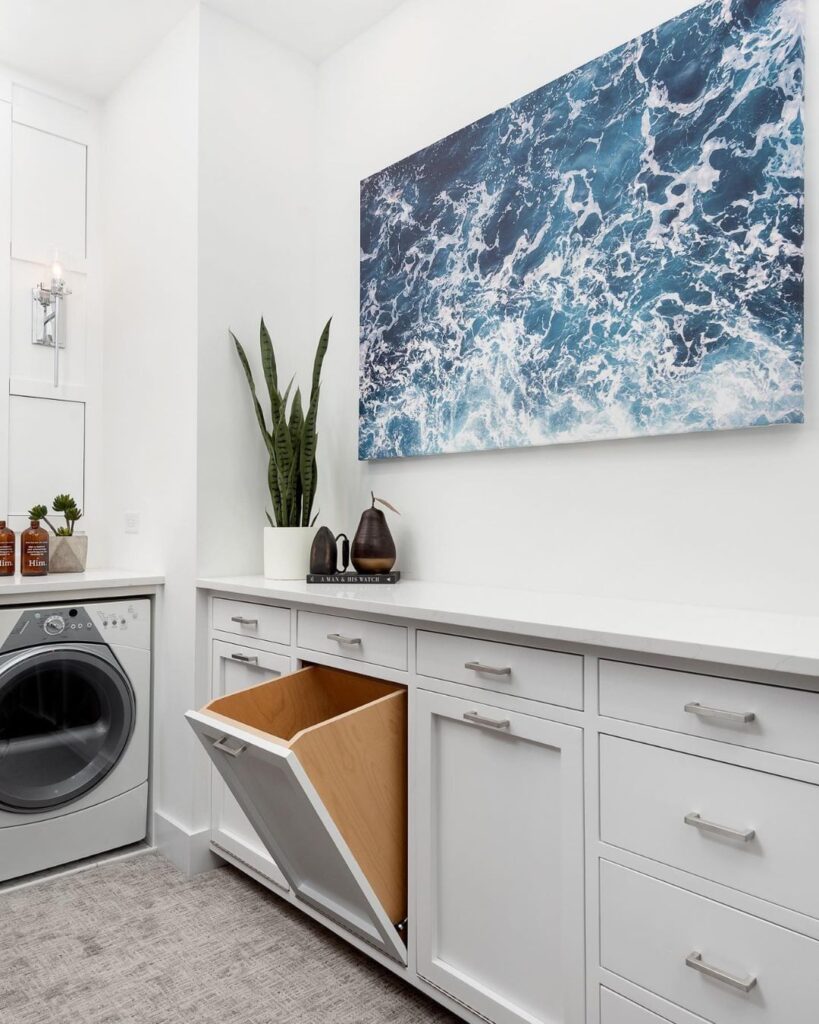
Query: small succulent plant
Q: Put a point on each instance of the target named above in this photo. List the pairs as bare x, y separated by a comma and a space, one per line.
62, 503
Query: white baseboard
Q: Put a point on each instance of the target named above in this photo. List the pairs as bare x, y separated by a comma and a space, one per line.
189, 851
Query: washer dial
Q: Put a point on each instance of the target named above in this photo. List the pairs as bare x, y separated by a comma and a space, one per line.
54, 625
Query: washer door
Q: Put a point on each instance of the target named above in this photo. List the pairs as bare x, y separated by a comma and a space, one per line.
66, 715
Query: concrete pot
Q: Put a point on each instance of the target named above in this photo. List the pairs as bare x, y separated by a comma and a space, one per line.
67, 554
287, 552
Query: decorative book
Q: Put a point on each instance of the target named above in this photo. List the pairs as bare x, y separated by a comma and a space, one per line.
353, 577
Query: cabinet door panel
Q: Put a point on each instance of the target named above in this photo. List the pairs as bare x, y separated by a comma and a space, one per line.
231, 828
500, 860
47, 198
46, 451
5, 296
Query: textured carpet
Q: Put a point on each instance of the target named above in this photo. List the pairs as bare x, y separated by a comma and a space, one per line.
135, 941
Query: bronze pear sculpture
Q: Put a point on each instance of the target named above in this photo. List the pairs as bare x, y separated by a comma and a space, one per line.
373, 547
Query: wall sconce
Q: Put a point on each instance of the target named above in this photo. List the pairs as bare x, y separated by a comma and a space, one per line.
48, 315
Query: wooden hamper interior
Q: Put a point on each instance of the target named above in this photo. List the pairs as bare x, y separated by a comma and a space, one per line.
349, 733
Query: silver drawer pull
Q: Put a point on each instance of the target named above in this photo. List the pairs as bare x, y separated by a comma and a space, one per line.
696, 963
245, 622
703, 711
490, 670
746, 835
246, 658
348, 641
222, 744
489, 723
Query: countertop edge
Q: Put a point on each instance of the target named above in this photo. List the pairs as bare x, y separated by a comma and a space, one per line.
779, 657
63, 583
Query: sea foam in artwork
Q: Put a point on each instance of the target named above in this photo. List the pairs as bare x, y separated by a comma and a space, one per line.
618, 253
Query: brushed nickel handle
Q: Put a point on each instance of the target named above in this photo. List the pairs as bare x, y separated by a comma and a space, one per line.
348, 641
703, 711
746, 835
490, 670
246, 658
222, 744
696, 963
488, 723
243, 621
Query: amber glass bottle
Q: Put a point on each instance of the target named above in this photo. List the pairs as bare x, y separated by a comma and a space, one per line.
34, 550
7, 564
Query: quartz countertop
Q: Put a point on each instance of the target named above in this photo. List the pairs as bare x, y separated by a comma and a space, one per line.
75, 582
752, 639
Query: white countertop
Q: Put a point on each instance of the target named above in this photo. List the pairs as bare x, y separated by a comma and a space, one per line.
71, 582
760, 640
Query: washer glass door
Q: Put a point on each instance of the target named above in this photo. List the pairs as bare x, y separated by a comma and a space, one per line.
66, 715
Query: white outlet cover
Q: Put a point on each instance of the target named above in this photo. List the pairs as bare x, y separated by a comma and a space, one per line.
132, 522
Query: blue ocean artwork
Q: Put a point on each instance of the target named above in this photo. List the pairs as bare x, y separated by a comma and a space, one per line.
619, 253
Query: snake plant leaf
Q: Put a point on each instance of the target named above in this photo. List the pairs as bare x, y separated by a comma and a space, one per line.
321, 351
296, 420
271, 374
252, 385
275, 492
268, 518
293, 488
281, 438
309, 473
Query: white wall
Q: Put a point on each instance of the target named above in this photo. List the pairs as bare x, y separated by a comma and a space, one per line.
726, 519
150, 368
256, 193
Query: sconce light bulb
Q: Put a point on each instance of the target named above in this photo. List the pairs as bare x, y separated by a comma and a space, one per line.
56, 271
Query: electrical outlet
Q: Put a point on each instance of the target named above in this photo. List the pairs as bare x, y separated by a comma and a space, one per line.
132, 522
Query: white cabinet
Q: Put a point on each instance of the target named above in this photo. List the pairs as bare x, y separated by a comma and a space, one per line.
48, 198
5, 295
712, 960
615, 1009
499, 848
46, 452
235, 668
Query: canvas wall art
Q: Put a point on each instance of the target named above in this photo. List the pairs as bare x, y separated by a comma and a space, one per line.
618, 253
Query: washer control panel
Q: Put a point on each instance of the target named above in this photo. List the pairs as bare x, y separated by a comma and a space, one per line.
52, 625
123, 621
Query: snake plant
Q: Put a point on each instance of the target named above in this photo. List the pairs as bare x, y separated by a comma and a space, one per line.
291, 440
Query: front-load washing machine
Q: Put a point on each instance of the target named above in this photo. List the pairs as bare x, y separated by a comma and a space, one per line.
75, 690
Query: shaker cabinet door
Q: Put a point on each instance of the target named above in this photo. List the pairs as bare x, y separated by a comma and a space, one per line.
499, 819
235, 668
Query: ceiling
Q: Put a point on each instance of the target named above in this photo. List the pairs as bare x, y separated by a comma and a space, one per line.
89, 46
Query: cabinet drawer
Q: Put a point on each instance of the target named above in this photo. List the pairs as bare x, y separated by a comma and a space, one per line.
375, 643
754, 832
615, 1009
772, 718
260, 621
664, 938
527, 672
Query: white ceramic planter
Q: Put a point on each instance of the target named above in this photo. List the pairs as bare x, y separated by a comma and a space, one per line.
287, 552
67, 554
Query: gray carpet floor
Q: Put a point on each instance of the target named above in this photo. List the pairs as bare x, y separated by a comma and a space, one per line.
135, 942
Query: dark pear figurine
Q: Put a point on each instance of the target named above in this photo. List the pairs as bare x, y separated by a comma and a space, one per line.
373, 546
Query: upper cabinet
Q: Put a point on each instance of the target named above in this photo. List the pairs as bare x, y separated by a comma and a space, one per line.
48, 211
48, 198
